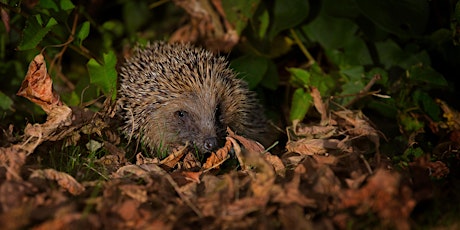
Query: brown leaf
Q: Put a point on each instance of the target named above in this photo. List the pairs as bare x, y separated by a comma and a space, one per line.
190, 161
290, 193
141, 159
75, 220
312, 146
319, 105
192, 176
58, 117
12, 158
63, 179
208, 23
437, 169
276, 162
136, 192
384, 195
315, 131
360, 126
219, 157
249, 145
5, 19
38, 86
174, 157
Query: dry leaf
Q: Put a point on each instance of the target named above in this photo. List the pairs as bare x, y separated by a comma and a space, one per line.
174, 157
249, 145
290, 193
319, 105
38, 86
219, 157
190, 162
141, 159
207, 23
192, 176
63, 179
75, 220
276, 162
314, 131
136, 192
312, 146
384, 195
12, 158
360, 126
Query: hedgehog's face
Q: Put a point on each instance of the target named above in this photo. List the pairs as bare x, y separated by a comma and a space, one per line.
187, 119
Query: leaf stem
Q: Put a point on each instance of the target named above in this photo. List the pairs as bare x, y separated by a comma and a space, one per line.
304, 50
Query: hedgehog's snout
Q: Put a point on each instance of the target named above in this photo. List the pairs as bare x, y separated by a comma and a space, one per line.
210, 143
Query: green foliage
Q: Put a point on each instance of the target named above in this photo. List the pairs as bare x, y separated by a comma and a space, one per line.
253, 69
5, 101
287, 14
239, 12
34, 32
337, 46
104, 75
301, 102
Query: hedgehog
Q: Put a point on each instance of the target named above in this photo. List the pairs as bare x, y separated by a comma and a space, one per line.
174, 94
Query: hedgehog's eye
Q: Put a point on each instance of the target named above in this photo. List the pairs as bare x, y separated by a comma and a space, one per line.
181, 113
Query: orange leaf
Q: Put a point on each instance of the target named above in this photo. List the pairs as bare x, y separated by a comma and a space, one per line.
38, 86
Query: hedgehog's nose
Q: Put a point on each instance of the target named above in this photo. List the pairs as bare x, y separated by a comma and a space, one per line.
210, 143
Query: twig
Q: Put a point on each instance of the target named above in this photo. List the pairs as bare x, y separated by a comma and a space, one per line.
364, 91
304, 50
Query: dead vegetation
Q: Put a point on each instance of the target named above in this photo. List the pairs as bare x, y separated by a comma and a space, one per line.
331, 176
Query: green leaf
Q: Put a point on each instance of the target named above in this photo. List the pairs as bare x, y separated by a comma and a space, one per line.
409, 123
355, 83
384, 106
287, 14
238, 12
5, 102
407, 17
428, 76
323, 82
34, 32
66, 4
104, 76
56, 5
390, 54
271, 77
427, 104
300, 77
324, 30
264, 20
135, 14
301, 102
250, 68
83, 32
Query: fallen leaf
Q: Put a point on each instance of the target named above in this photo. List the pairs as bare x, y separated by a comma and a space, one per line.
136, 192
319, 105
312, 146
384, 195
219, 157
12, 158
249, 145
63, 179
172, 159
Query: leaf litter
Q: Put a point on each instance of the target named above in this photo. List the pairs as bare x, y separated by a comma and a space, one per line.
323, 179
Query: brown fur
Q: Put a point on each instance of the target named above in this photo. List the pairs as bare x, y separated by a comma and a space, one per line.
173, 93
